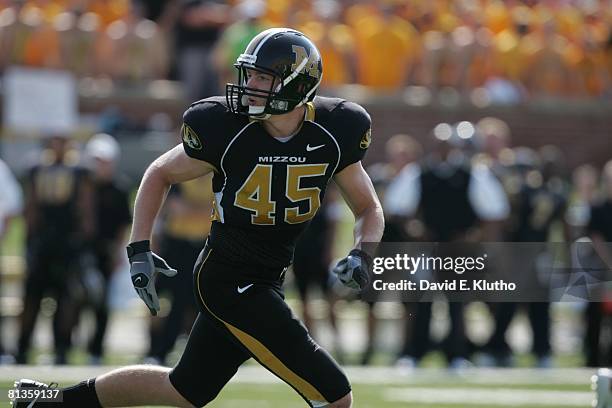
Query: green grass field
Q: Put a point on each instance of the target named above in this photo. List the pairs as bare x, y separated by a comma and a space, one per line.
386, 388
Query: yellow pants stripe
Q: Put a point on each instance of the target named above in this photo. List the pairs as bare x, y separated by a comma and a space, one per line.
264, 355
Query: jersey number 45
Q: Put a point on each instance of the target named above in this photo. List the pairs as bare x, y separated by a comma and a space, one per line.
255, 195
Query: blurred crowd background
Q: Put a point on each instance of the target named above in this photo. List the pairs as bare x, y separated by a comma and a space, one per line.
513, 49
492, 121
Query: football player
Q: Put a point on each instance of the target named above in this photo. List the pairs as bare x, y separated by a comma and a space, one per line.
272, 148
59, 209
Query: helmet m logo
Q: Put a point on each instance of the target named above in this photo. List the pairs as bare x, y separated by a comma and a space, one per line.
312, 66
366, 139
190, 137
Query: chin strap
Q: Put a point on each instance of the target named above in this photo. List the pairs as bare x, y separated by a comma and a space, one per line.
314, 88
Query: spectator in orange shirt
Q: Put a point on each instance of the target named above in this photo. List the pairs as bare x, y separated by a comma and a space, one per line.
40, 44
386, 49
547, 72
11, 30
109, 10
133, 48
77, 34
497, 16
335, 43
587, 60
608, 66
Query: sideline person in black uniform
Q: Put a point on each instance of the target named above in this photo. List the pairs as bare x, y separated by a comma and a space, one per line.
539, 205
273, 148
598, 353
59, 214
112, 217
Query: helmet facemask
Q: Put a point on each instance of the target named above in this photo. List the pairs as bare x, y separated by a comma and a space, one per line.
237, 94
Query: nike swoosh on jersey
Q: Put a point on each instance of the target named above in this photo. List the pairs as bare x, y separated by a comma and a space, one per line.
311, 148
242, 289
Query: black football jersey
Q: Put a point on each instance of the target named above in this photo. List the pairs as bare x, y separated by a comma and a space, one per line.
56, 188
538, 208
267, 190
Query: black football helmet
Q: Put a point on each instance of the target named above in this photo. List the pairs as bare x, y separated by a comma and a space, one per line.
291, 58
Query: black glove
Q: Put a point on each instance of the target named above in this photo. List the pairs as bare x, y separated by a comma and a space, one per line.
144, 268
353, 270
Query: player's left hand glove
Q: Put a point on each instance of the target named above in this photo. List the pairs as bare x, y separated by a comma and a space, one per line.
353, 270
144, 268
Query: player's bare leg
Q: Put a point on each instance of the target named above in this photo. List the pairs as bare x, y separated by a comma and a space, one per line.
344, 402
138, 385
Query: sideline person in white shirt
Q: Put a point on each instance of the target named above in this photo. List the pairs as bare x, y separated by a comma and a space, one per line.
11, 205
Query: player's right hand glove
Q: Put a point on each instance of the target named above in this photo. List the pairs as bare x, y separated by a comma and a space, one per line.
144, 268
353, 270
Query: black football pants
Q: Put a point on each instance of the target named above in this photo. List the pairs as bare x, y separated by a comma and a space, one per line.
240, 318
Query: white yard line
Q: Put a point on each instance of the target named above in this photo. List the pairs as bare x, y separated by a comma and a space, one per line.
477, 376
488, 397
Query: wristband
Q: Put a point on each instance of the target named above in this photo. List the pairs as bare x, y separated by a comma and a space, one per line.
363, 255
138, 247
